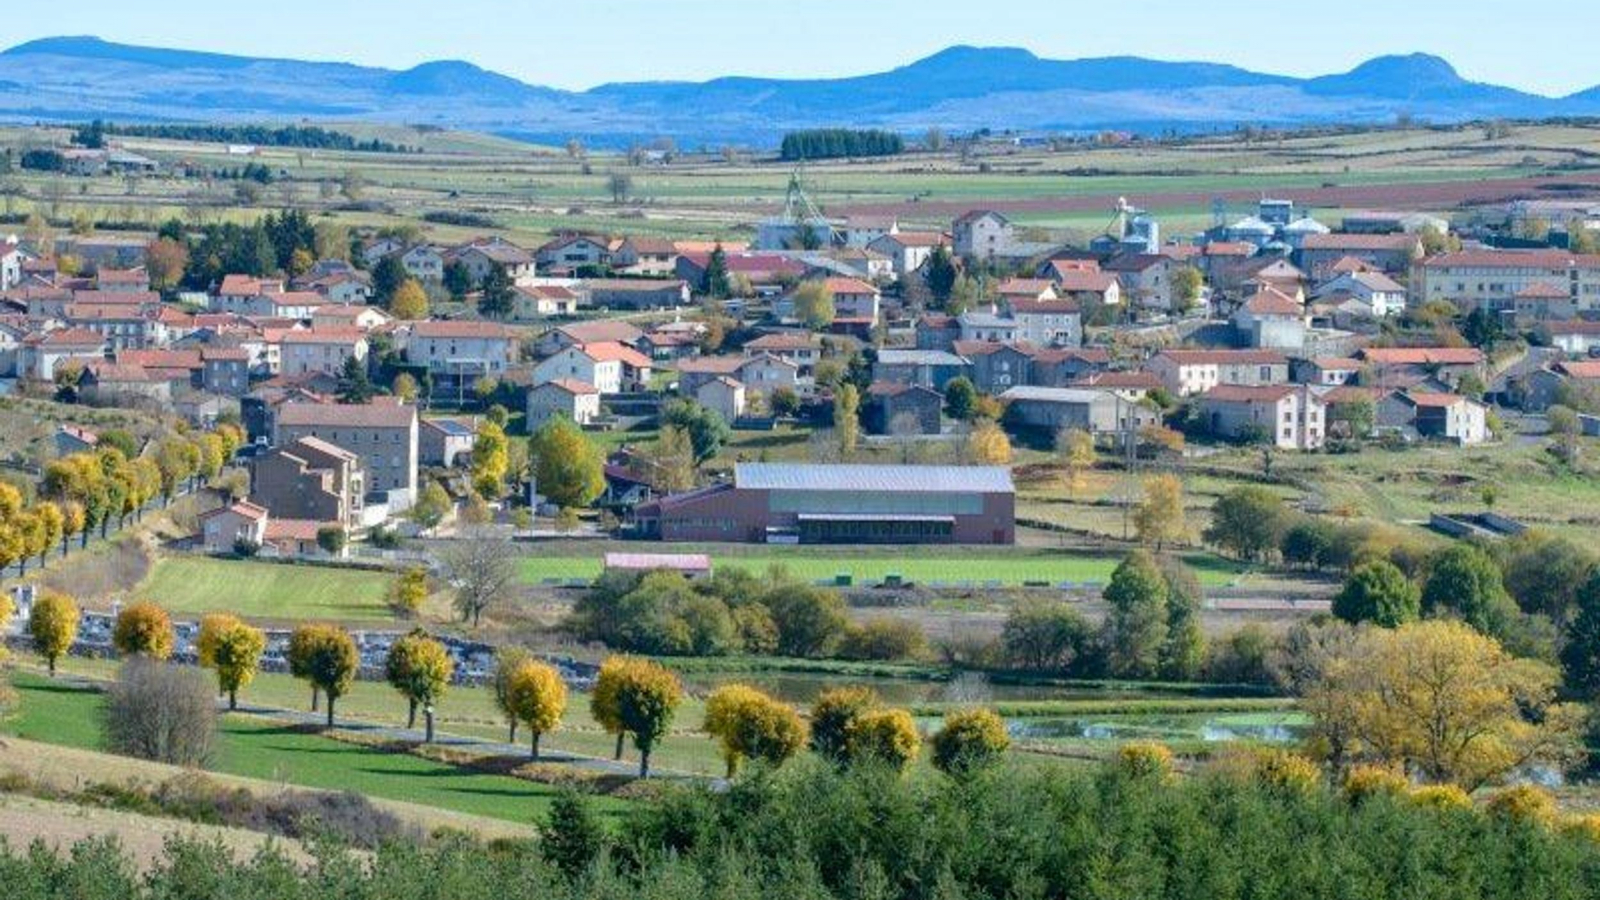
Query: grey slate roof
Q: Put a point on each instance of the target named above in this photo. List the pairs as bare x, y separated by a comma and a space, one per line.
893, 357
893, 479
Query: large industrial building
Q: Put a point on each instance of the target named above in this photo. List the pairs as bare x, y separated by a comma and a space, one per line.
841, 504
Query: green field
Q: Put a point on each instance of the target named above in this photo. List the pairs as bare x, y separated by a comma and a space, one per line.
920, 565
58, 714
270, 591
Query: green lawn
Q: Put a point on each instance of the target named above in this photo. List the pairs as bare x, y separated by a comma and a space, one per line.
262, 590
59, 714
920, 565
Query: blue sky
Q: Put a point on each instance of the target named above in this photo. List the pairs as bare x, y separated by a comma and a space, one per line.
581, 43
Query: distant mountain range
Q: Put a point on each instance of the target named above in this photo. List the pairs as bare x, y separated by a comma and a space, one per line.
958, 89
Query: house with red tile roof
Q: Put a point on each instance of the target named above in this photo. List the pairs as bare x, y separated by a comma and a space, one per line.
610, 367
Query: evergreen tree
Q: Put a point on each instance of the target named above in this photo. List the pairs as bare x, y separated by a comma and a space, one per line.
498, 293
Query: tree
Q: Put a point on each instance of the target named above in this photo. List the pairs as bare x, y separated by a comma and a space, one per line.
970, 740
1184, 650
236, 656
847, 418
432, 505
537, 697
1465, 581
1443, 700
1136, 625
809, 618
1075, 447
457, 280
507, 660
960, 399
568, 468
491, 460
939, 274
331, 664
784, 402
670, 461
53, 626
1044, 637
419, 668
1187, 282
498, 293
1544, 571
604, 701
1247, 522
409, 592
1580, 653
160, 712
410, 301
331, 539
482, 568
716, 284
388, 276
1378, 592
706, 428
1158, 518
572, 838
620, 186
832, 714
813, 304
405, 387
143, 629
165, 261
647, 698
354, 386
987, 445
883, 736
748, 724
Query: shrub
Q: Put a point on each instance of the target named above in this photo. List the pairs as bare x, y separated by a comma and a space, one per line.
883, 639
161, 712
832, 714
887, 736
1288, 772
1363, 782
1523, 803
970, 740
1440, 797
1144, 759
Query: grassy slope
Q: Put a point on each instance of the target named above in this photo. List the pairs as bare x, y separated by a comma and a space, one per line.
260, 590
58, 714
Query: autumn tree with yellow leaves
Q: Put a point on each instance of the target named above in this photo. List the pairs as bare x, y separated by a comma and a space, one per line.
537, 697
1444, 701
749, 724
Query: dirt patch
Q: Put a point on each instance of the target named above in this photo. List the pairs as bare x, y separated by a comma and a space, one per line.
25, 820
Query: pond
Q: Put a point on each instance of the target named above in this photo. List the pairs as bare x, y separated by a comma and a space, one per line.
801, 688
1274, 728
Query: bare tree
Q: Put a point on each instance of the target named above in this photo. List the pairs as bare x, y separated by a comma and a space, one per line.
906, 429
482, 566
162, 712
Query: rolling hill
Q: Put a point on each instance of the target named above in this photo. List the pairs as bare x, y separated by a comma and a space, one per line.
960, 88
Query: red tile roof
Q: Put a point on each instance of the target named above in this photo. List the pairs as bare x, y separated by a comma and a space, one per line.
351, 415
1270, 301
572, 386
611, 351
1513, 259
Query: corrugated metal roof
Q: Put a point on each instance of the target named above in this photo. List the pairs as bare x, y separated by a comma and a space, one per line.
895, 479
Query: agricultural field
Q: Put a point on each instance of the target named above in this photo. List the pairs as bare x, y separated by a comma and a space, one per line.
528, 191
192, 586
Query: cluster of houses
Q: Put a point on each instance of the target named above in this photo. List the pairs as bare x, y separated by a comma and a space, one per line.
1271, 329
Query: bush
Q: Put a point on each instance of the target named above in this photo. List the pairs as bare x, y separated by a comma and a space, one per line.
1289, 772
1440, 797
1523, 803
1144, 759
883, 639
1363, 782
161, 712
970, 740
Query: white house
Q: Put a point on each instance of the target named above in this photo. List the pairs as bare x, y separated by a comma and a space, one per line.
424, 263
1288, 416
577, 400
610, 367
1382, 294
461, 347
320, 350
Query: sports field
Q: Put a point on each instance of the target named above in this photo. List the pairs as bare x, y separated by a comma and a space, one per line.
918, 565
192, 586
